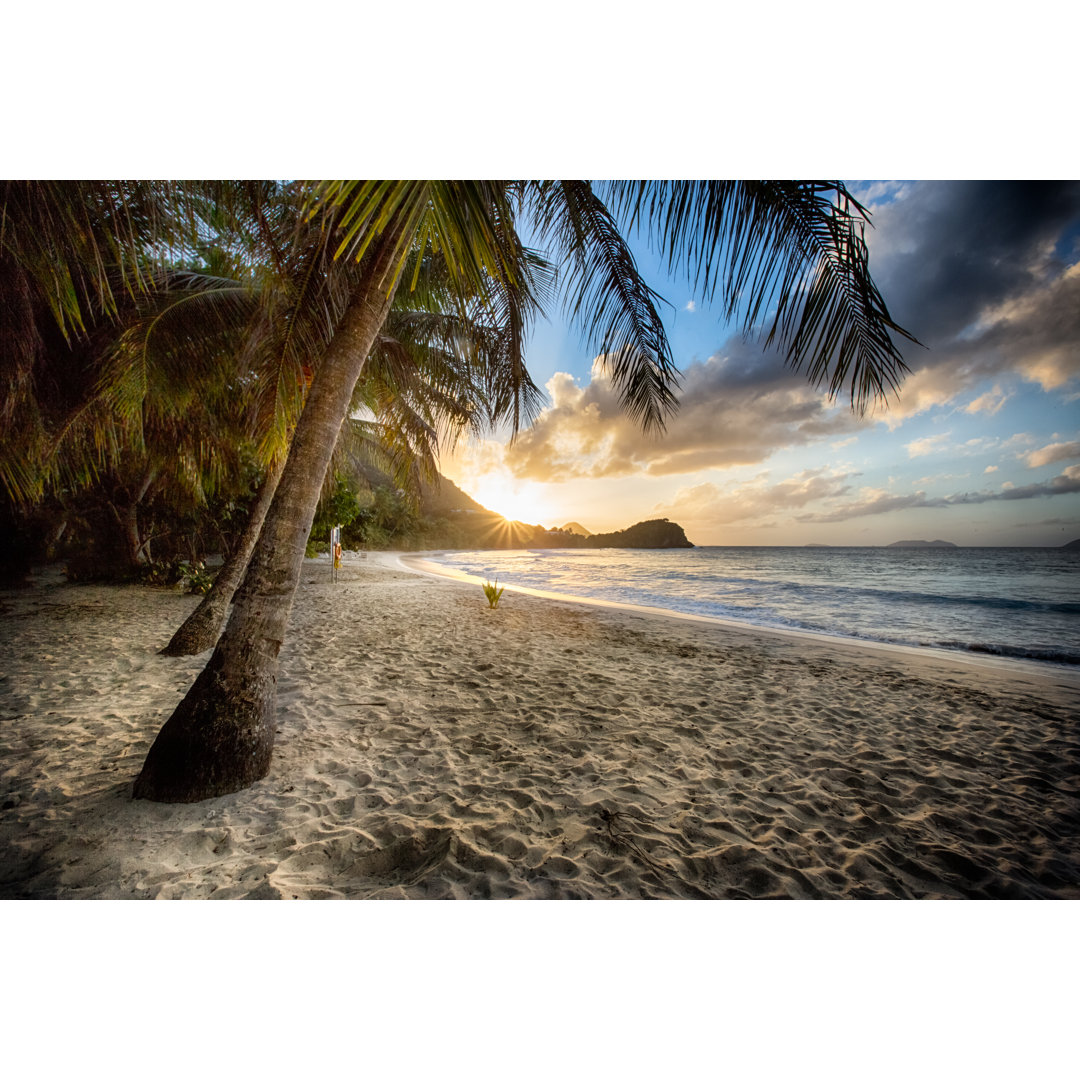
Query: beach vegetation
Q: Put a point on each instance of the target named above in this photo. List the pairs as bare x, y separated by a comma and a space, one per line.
230, 328
493, 593
220, 738
410, 299
195, 578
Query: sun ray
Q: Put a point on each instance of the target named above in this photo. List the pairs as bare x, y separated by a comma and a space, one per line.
516, 500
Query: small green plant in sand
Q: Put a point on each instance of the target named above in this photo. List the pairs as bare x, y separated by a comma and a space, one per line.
493, 593
194, 578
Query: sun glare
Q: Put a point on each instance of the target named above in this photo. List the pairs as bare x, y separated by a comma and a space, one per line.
516, 500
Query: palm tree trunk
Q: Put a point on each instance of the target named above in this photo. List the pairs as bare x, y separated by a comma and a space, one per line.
125, 512
221, 737
128, 537
201, 628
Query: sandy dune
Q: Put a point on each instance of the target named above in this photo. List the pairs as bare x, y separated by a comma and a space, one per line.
429, 747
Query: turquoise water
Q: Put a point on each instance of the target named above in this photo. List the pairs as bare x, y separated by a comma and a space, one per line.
1019, 602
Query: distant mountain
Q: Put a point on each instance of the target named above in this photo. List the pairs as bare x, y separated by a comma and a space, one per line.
922, 544
1072, 545
449, 518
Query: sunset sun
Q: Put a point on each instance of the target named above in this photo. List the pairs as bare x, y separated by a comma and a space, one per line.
516, 500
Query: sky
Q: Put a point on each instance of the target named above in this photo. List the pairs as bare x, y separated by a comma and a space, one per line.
692, 89
982, 447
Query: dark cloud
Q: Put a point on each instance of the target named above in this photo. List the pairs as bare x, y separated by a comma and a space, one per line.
881, 503
948, 250
1066, 484
978, 273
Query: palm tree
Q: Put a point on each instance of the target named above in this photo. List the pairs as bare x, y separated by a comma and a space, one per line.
166, 419
800, 251
418, 397
421, 383
75, 258
84, 417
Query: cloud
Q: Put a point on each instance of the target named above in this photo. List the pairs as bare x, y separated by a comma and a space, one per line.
879, 502
736, 408
1021, 438
929, 445
990, 469
990, 402
844, 442
876, 502
1054, 452
690, 306
974, 270
941, 478
950, 251
753, 499
939, 444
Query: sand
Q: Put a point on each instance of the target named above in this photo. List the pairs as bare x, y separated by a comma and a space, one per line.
429, 747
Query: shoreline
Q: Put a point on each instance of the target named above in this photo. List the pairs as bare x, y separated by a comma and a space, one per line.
1039, 672
429, 747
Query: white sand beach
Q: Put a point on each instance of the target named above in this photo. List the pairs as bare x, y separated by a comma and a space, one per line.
429, 747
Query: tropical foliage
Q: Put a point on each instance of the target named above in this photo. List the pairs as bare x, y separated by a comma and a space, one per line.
168, 344
150, 416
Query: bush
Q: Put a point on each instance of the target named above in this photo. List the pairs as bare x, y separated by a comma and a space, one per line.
185, 576
194, 578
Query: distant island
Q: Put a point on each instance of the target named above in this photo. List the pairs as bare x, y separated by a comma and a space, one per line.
921, 544
1072, 545
657, 533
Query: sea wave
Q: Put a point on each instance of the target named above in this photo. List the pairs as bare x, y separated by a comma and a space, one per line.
1019, 652
1019, 603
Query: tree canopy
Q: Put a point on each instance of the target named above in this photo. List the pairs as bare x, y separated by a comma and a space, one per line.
170, 334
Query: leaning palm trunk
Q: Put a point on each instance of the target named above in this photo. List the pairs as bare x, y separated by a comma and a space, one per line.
221, 737
201, 628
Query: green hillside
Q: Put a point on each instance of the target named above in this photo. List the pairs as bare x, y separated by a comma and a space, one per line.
376, 515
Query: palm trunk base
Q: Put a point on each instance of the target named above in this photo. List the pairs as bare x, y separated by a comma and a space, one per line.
219, 740
201, 629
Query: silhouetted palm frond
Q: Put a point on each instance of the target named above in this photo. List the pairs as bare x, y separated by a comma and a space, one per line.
790, 250
607, 297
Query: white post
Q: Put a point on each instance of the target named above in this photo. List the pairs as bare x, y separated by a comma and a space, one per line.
335, 552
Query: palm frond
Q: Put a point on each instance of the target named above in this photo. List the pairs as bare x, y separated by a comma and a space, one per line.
84, 242
793, 248
461, 222
608, 298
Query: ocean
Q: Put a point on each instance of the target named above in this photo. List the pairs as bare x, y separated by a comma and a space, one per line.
1014, 602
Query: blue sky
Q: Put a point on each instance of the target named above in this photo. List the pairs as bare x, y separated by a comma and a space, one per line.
983, 447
